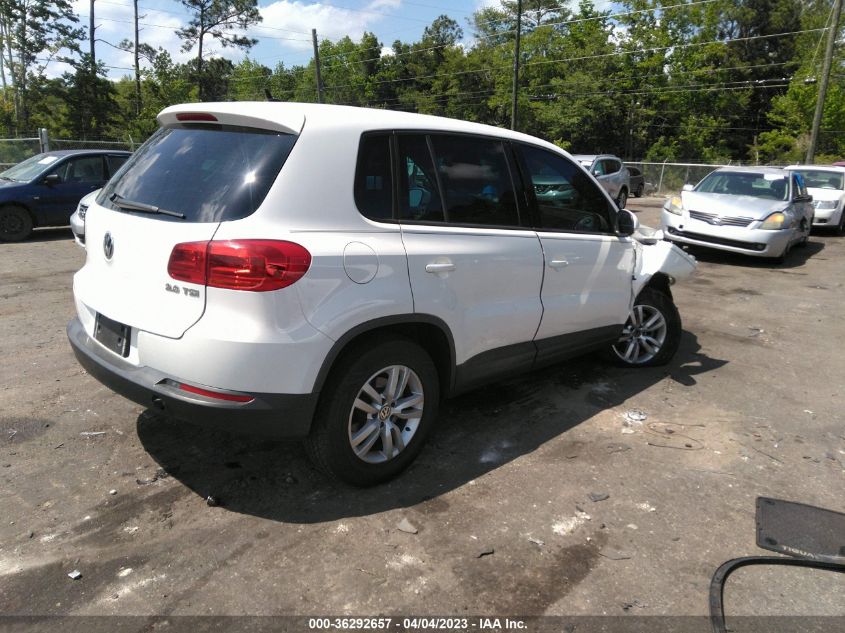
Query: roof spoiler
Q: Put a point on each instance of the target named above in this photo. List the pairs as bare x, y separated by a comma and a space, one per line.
278, 117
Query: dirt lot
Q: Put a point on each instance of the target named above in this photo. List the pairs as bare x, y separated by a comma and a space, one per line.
501, 496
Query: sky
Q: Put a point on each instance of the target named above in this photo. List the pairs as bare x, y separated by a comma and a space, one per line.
283, 36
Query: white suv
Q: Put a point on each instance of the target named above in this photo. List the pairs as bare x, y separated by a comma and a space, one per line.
331, 272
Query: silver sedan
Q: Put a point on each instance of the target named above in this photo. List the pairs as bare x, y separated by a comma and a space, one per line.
77, 220
759, 211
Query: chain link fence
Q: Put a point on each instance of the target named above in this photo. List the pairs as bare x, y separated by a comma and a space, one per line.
665, 179
14, 150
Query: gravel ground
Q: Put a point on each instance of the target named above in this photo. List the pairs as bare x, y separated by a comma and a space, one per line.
500, 498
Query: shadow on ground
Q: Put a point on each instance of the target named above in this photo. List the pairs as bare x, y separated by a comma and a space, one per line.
476, 433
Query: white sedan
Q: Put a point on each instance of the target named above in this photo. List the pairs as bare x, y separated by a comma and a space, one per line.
826, 183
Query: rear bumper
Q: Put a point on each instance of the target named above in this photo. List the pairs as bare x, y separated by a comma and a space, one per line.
269, 414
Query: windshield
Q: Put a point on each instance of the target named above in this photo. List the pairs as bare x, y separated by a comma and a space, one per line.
821, 179
206, 173
30, 168
736, 183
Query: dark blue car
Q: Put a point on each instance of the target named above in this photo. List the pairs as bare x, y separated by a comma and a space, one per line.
45, 189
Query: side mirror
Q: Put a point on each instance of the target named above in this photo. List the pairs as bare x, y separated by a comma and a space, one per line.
628, 223
688, 187
52, 179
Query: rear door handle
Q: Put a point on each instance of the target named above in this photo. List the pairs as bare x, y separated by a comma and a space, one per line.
440, 268
558, 263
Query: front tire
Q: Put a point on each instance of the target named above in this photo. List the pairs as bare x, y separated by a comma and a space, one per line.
639, 191
376, 411
15, 223
651, 334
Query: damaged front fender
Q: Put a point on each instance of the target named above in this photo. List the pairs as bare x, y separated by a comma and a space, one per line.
660, 256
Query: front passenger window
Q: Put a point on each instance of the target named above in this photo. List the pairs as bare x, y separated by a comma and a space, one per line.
567, 199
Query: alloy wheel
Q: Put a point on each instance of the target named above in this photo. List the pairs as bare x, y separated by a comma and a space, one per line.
643, 335
386, 414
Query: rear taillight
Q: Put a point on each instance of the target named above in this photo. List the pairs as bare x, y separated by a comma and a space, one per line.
255, 265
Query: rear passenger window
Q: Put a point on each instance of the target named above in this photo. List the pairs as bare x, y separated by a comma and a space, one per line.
115, 163
419, 196
567, 199
373, 184
476, 181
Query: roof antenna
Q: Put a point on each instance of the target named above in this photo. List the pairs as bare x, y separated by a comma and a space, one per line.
268, 96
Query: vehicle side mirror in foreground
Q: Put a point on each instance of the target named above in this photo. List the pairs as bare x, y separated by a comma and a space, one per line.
628, 222
688, 187
52, 179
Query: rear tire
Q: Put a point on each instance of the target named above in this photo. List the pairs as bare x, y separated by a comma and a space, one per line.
15, 223
377, 409
651, 334
638, 193
622, 198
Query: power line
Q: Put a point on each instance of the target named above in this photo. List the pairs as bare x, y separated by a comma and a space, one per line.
539, 26
585, 57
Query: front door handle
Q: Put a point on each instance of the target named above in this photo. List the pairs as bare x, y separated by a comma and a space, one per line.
558, 263
440, 268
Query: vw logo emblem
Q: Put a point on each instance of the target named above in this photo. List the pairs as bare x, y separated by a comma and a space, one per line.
716, 221
108, 245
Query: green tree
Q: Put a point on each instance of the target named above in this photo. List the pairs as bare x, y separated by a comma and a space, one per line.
221, 20
32, 34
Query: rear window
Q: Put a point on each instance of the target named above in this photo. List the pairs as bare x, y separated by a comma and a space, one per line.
820, 179
207, 173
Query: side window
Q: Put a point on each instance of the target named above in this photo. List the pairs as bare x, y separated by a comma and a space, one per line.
419, 197
598, 168
373, 184
611, 166
115, 163
476, 180
82, 170
566, 197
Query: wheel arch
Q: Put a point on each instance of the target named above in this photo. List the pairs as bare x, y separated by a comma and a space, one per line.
428, 331
22, 205
660, 282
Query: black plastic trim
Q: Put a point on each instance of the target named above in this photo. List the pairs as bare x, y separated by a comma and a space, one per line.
274, 415
382, 322
518, 358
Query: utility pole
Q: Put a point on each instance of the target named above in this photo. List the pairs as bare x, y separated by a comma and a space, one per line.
317, 66
516, 64
137, 66
91, 33
91, 37
828, 59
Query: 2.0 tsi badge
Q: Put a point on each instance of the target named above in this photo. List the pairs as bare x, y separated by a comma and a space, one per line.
108, 245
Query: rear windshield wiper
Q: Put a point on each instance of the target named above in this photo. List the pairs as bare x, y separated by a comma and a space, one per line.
131, 205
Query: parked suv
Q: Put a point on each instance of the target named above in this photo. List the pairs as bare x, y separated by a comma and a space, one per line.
331, 272
44, 190
610, 172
